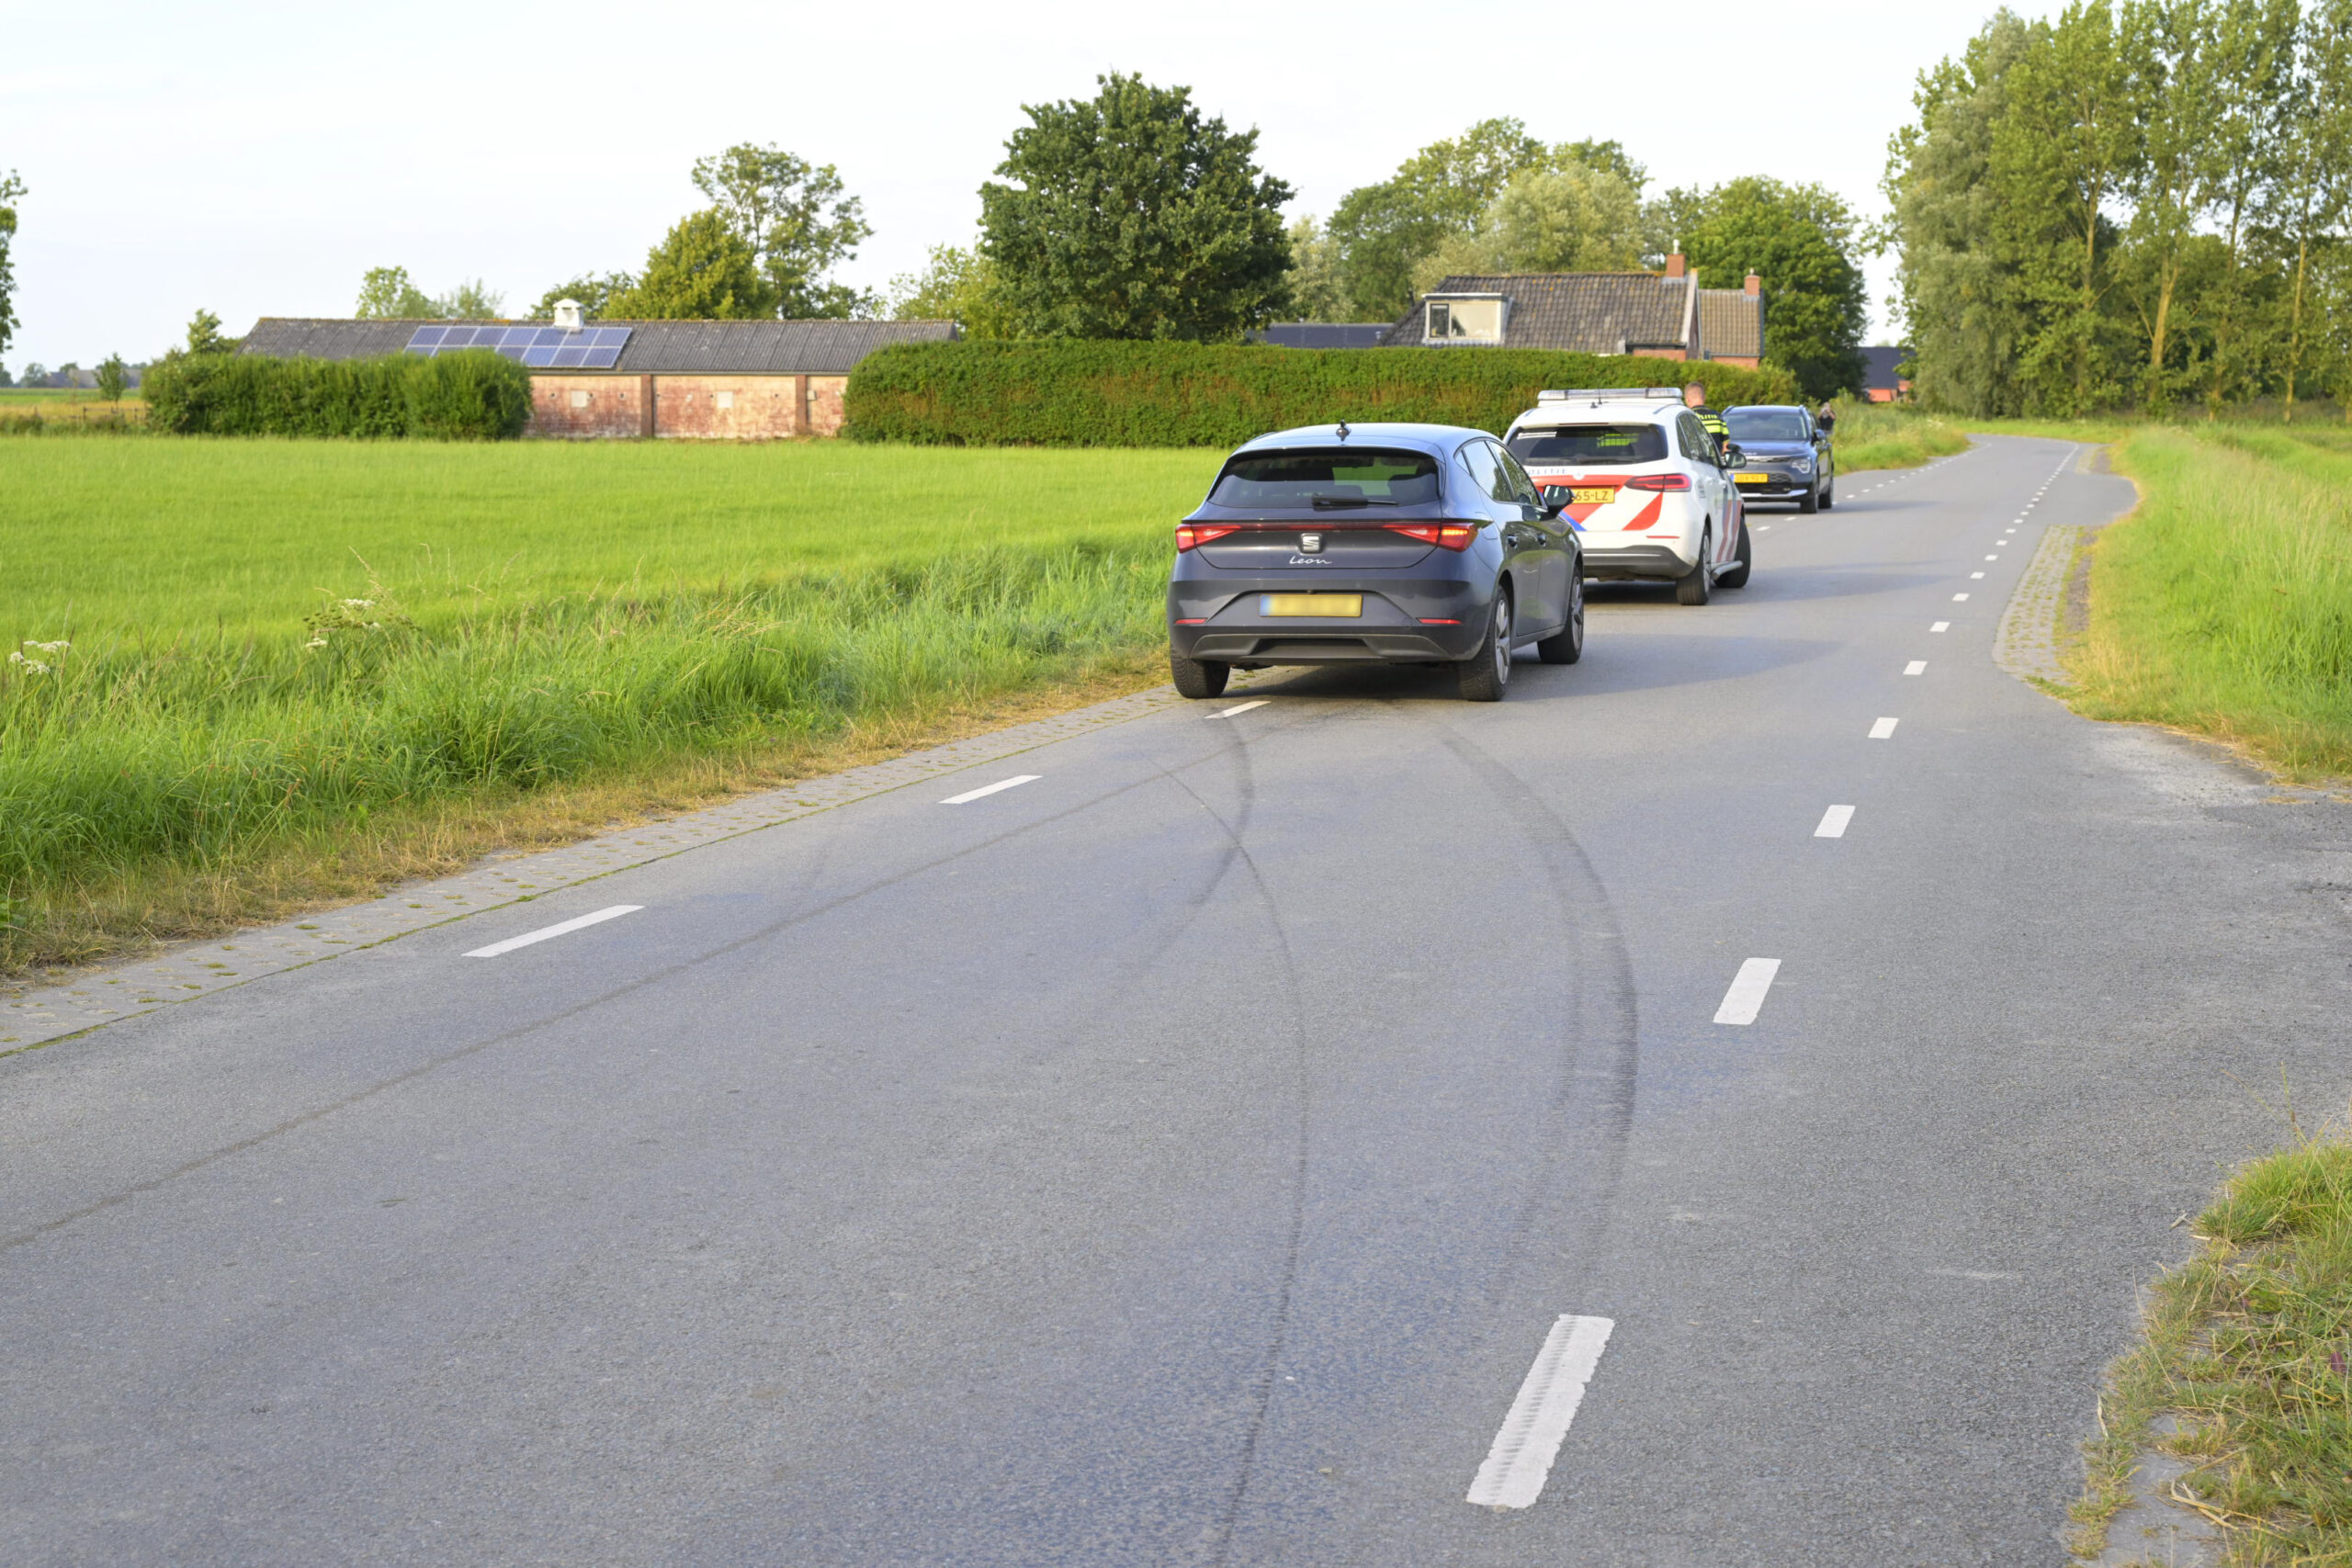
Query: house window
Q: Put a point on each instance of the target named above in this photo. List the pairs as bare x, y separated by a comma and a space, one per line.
580, 399
727, 399
1464, 321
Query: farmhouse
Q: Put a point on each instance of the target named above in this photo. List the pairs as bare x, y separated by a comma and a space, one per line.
681, 380
1663, 314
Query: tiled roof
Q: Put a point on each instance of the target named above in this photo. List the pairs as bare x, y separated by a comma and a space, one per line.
664, 348
1884, 374
1583, 312
1322, 334
1731, 324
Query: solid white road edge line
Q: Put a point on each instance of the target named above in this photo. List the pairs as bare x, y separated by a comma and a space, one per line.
1833, 822
991, 789
1745, 997
1941, 627
1916, 667
1243, 707
1516, 1466
1884, 729
527, 937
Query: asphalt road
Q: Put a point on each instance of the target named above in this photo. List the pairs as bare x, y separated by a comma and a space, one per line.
1182, 1157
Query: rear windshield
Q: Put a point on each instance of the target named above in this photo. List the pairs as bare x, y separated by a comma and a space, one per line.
1766, 425
1587, 444
1335, 479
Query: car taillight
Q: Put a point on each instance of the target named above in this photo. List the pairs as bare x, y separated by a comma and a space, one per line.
1658, 481
1191, 534
1444, 535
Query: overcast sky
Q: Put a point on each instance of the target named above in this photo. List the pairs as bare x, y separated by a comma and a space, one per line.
257, 158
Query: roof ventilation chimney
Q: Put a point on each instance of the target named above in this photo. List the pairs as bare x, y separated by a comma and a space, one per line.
567, 315
1675, 265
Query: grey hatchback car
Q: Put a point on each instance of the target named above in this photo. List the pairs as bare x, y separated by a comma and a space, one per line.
1402, 543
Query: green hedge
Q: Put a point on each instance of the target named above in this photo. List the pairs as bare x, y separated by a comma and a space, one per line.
1064, 393
474, 396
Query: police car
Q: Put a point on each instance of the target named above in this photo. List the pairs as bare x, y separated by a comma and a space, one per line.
1650, 495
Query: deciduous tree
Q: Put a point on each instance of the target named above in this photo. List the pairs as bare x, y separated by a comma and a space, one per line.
703, 270
798, 220
387, 293
1800, 238
1135, 216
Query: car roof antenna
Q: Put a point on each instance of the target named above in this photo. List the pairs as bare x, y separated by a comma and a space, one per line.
1343, 430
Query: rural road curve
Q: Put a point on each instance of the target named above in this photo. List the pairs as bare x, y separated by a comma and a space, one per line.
1182, 1157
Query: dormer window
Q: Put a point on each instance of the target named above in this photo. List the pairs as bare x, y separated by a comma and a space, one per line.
1463, 318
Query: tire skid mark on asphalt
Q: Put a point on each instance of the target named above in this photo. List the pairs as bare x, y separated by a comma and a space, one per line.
1237, 854
585, 1005
1604, 1013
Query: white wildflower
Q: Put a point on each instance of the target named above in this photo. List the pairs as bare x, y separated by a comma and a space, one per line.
316, 642
29, 666
360, 603
46, 647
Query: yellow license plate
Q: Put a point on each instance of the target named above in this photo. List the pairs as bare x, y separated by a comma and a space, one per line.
1330, 604
1753, 478
1591, 497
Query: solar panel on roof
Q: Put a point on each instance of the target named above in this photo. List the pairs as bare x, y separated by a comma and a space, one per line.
591, 348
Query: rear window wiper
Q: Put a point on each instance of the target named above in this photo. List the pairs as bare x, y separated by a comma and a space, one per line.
1329, 503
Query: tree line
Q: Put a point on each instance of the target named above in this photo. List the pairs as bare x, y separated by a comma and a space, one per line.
2135, 204
1134, 215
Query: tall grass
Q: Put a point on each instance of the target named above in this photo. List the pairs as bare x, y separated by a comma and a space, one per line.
277, 644
1889, 435
2224, 604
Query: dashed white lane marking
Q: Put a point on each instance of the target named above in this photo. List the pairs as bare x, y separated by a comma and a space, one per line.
1833, 824
1522, 1452
527, 937
1242, 707
1941, 627
1884, 729
1916, 667
991, 789
1974, 576
1960, 598
1745, 997
1992, 558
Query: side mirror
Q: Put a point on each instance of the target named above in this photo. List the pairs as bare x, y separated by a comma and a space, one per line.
1547, 509
1733, 455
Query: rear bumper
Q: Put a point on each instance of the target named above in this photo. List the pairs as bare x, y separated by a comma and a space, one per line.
1634, 563
1393, 628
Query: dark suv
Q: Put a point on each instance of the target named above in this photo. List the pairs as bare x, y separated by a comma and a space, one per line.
1787, 456
1410, 544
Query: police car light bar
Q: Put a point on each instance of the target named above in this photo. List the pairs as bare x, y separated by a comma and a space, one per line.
1604, 394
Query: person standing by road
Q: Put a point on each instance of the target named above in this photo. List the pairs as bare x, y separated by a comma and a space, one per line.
1694, 398
1828, 418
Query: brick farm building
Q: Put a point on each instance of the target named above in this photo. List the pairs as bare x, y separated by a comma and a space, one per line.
647, 380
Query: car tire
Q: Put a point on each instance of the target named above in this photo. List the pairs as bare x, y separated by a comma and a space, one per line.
1735, 575
1485, 674
1829, 495
1691, 587
1810, 501
1567, 645
1198, 677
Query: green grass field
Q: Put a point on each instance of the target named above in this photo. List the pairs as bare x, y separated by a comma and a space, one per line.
288, 658
2224, 604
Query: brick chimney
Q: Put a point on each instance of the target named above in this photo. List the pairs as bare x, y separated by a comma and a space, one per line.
1675, 265
1753, 287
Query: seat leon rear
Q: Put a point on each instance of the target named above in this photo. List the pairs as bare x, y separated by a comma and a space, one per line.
1410, 544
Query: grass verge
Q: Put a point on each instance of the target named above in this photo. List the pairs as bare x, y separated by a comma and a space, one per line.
1885, 435
255, 675
2248, 1349
2223, 604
